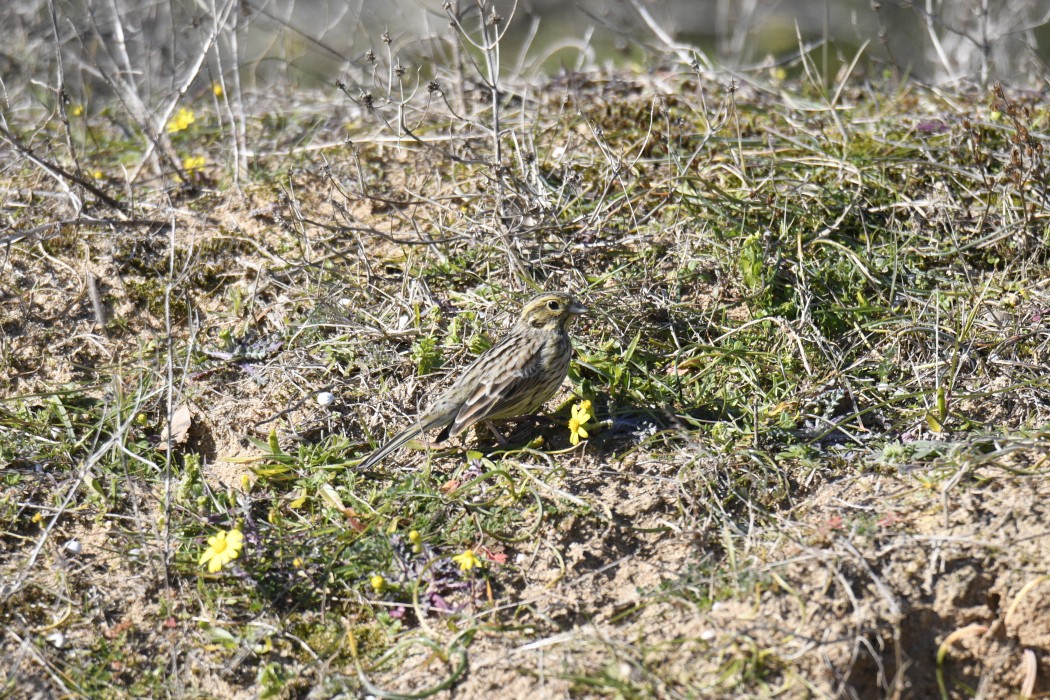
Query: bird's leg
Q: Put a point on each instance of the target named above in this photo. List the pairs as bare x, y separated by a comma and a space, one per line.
535, 419
496, 433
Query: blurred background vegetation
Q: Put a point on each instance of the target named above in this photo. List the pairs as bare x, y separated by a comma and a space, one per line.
315, 43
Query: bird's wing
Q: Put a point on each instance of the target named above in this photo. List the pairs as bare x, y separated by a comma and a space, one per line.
496, 391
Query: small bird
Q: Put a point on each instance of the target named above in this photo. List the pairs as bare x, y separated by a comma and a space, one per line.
514, 377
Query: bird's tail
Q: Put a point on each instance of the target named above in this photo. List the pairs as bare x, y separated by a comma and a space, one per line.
396, 442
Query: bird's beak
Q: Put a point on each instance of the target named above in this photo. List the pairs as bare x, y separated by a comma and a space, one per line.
577, 309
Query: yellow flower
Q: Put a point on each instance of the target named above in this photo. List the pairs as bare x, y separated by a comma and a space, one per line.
468, 560
581, 413
77, 110
223, 548
193, 163
182, 120
378, 583
216, 89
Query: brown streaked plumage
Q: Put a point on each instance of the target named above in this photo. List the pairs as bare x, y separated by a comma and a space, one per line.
514, 377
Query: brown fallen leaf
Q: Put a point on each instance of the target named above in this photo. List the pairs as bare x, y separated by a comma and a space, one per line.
178, 429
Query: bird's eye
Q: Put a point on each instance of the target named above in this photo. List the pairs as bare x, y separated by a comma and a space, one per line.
552, 305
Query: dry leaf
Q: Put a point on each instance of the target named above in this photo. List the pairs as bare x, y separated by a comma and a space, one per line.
179, 428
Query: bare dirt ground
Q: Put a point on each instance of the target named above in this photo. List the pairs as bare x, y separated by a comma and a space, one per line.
681, 551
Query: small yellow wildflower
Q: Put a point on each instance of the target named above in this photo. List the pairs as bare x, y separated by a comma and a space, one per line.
193, 163
468, 560
414, 537
181, 121
77, 110
223, 548
216, 89
581, 413
378, 583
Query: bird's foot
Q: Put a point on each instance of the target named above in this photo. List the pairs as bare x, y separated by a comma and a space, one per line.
500, 438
